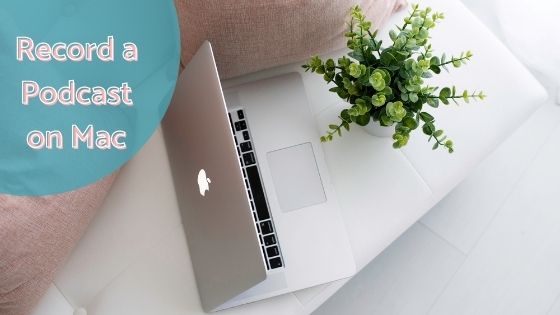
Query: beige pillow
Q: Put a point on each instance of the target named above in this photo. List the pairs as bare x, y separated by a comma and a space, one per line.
36, 236
250, 35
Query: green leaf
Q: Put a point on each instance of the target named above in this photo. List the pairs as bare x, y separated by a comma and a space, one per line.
402, 129
345, 116
428, 129
357, 55
481, 95
385, 120
466, 96
427, 75
438, 133
410, 122
396, 111
426, 117
435, 69
445, 92
392, 35
423, 34
386, 76
433, 102
378, 100
387, 91
355, 70
333, 127
360, 102
388, 58
315, 62
377, 80
424, 65
344, 62
363, 120
353, 90
436, 145
330, 64
343, 94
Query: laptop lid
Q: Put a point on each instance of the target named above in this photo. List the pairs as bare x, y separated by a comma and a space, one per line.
221, 234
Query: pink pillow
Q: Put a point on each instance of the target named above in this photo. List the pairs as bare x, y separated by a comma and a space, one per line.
250, 35
36, 236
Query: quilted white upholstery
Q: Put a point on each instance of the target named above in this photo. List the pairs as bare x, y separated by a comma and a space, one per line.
134, 258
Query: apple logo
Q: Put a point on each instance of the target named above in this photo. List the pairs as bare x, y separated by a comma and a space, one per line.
203, 182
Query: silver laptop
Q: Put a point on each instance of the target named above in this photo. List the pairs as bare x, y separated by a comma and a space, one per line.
258, 206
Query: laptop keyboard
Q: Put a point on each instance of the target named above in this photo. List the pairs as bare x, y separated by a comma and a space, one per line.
257, 198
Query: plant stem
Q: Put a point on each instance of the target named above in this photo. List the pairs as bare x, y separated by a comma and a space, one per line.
456, 96
334, 131
362, 46
452, 60
409, 17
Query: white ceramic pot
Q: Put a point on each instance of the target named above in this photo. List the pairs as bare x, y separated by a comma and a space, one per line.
376, 130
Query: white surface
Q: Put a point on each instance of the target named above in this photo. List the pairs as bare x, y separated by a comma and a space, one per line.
514, 263
515, 267
529, 27
460, 218
404, 279
134, 260
555, 309
140, 210
54, 303
80, 311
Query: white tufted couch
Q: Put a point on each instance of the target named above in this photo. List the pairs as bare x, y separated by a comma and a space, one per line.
134, 258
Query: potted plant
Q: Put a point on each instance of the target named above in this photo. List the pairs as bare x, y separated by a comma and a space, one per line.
386, 86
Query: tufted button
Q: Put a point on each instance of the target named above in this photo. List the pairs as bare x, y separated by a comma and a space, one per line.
80, 311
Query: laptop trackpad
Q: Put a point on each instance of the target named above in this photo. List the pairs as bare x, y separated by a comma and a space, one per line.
296, 177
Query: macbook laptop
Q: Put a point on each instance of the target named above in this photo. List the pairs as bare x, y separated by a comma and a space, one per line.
257, 203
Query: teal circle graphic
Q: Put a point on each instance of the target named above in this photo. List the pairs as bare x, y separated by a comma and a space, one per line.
46, 146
